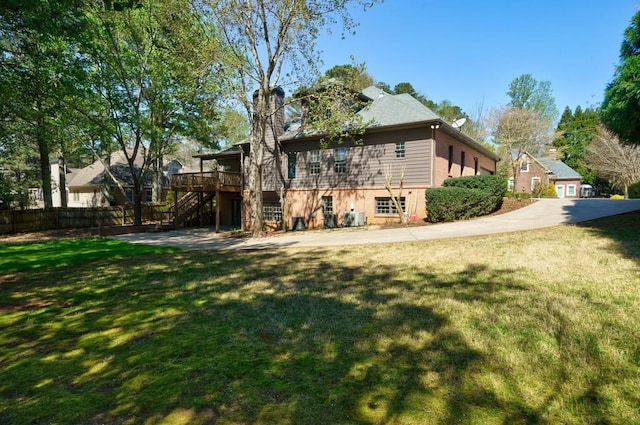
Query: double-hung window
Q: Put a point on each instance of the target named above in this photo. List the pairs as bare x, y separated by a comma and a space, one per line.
327, 204
314, 162
400, 150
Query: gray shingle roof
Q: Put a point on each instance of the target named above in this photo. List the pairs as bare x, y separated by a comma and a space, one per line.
94, 174
559, 168
384, 110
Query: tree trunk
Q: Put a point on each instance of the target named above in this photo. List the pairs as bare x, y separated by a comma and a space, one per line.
156, 194
137, 206
45, 170
256, 161
63, 183
255, 189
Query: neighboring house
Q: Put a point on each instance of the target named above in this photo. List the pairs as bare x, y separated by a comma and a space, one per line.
534, 171
92, 186
345, 183
60, 175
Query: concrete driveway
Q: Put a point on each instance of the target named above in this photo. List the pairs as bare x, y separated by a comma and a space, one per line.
543, 213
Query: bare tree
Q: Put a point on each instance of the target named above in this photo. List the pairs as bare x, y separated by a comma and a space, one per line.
515, 131
262, 38
395, 198
613, 160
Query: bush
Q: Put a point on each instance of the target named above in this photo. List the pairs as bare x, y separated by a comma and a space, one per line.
549, 191
465, 197
495, 185
634, 190
616, 197
455, 203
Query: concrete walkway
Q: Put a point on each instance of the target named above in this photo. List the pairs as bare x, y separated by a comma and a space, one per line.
543, 213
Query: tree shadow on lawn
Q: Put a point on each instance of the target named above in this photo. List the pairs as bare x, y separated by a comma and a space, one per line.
251, 338
623, 230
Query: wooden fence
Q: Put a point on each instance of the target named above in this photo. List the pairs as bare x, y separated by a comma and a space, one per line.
20, 221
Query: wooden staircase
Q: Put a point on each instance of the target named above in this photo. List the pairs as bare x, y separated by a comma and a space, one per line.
188, 208
199, 190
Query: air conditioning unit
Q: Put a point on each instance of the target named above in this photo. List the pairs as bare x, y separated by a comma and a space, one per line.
353, 219
330, 221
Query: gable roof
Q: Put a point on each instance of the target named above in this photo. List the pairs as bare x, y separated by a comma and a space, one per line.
393, 110
94, 174
384, 110
558, 168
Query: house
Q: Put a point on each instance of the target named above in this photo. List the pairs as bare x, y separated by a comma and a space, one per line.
344, 184
533, 172
92, 186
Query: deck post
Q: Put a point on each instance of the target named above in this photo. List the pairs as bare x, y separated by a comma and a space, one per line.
175, 209
218, 204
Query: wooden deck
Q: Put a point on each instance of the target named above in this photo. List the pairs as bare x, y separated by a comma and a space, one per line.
210, 181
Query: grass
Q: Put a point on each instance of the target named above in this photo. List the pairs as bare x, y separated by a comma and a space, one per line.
533, 328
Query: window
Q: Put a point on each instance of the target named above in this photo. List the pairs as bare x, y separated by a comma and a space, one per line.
314, 162
475, 165
450, 158
327, 204
385, 206
340, 160
128, 195
462, 158
400, 150
536, 182
75, 195
148, 195
524, 166
571, 190
510, 184
272, 211
291, 165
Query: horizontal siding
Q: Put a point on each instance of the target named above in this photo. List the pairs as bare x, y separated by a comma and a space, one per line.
366, 162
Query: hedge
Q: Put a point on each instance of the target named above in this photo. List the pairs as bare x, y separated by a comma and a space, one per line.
495, 185
465, 197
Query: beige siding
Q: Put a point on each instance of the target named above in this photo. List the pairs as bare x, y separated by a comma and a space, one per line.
366, 162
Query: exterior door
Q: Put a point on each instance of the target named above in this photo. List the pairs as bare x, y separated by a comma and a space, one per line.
236, 205
560, 190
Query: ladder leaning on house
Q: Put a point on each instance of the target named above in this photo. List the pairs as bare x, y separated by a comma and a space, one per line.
199, 190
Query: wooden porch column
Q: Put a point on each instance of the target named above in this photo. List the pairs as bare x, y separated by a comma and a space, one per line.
175, 209
217, 203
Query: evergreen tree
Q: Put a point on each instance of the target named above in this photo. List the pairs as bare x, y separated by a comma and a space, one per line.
620, 112
577, 130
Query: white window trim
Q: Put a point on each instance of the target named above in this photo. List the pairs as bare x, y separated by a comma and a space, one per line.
534, 180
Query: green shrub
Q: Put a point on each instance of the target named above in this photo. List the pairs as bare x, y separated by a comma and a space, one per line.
634, 190
495, 185
522, 195
549, 191
455, 203
536, 191
465, 197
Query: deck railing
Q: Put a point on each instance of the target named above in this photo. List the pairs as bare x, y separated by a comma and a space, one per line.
207, 181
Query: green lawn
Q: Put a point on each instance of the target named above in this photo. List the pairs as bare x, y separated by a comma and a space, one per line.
537, 327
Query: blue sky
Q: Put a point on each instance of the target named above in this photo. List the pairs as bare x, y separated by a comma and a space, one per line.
468, 51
